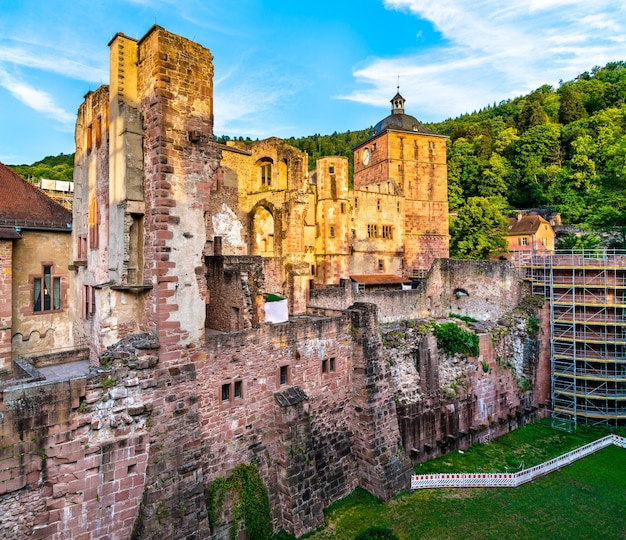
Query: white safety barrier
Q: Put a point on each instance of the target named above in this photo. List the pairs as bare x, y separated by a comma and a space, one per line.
422, 481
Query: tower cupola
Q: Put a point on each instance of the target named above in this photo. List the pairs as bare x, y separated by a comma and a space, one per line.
397, 104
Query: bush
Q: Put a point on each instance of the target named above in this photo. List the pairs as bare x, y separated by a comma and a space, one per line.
376, 533
454, 340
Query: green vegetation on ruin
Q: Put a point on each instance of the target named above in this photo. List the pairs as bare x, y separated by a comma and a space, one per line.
453, 339
251, 506
583, 500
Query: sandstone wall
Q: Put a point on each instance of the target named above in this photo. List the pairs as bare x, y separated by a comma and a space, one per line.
74, 452
481, 289
6, 295
135, 445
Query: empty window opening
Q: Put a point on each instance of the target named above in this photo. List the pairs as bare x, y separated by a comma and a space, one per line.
284, 375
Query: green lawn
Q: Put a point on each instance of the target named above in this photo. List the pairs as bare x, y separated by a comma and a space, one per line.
585, 500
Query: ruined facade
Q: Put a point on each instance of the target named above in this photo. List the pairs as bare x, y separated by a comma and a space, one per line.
314, 228
176, 241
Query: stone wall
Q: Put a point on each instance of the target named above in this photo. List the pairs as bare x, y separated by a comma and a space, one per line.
448, 403
6, 295
74, 452
319, 405
235, 292
480, 289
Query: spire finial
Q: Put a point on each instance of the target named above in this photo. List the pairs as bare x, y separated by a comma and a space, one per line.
398, 84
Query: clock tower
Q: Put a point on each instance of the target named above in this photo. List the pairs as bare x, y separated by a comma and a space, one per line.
404, 158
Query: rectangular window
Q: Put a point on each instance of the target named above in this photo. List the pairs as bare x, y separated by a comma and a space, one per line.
356, 203
238, 389
381, 265
372, 231
523, 241
331, 231
89, 301
398, 206
284, 375
225, 393
378, 203
324, 366
266, 174
82, 247
331, 169
386, 232
331, 364
46, 291
343, 208
98, 128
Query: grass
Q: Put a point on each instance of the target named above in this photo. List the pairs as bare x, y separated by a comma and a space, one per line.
584, 500
520, 449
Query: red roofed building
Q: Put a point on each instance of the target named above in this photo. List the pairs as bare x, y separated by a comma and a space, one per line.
35, 234
530, 233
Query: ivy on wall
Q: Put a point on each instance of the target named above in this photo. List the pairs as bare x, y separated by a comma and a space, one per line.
251, 505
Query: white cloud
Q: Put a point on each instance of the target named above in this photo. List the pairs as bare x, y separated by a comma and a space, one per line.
53, 63
36, 99
240, 106
492, 50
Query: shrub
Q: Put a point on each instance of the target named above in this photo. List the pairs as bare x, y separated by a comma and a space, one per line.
454, 340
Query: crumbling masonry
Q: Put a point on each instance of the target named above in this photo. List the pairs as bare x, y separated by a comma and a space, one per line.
348, 392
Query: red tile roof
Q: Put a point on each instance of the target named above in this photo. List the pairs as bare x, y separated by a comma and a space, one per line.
378, 279
525, 225
24, 205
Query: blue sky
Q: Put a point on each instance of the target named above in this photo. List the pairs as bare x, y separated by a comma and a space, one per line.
299, 67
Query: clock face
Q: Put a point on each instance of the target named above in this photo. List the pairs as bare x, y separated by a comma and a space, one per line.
366, 156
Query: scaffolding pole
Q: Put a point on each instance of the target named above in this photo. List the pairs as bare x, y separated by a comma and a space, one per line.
586, 290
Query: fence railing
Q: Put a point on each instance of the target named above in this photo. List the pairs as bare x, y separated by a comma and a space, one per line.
422, 481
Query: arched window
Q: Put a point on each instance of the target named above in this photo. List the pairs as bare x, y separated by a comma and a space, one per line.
265, 166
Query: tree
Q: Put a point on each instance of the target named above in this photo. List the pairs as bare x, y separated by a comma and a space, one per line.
578, 242
532, 114
571, 108
478, 230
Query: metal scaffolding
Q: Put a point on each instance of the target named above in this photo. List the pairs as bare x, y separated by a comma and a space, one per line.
587, 294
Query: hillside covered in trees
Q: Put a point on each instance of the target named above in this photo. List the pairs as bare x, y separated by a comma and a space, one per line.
59, 167
562, 148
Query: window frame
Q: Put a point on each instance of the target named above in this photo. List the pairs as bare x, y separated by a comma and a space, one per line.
47, 295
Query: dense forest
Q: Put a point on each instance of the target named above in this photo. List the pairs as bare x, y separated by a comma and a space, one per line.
561, 148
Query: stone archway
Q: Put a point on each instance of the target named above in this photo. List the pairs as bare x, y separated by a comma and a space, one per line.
263, 228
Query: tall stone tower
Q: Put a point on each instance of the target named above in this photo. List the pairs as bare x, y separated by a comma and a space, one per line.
145, 160
404, 157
